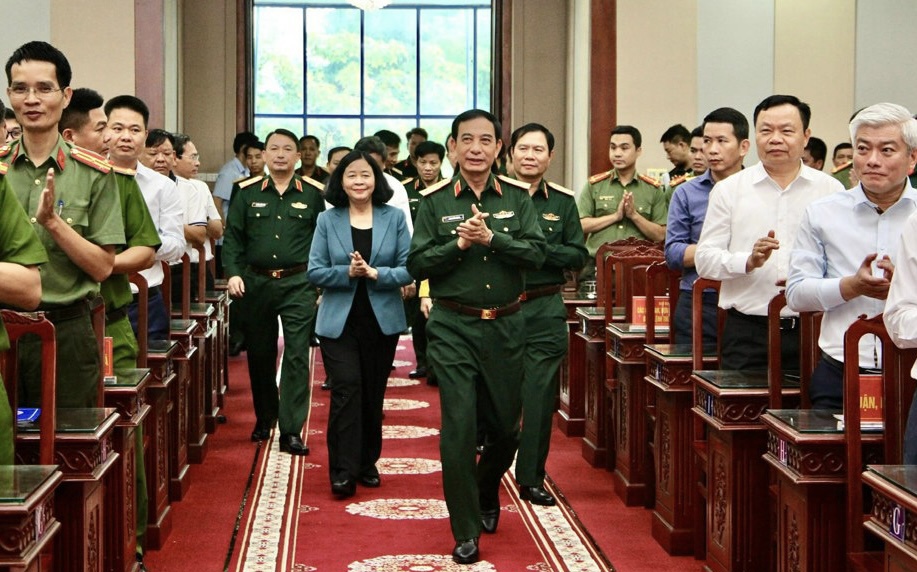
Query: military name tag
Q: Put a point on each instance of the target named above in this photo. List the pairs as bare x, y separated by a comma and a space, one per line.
504, 214
259, 205
454, 218
299, 205
551, 217
606, 197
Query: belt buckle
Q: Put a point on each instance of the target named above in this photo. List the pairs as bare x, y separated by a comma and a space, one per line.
488, 314
275, 273
788, 324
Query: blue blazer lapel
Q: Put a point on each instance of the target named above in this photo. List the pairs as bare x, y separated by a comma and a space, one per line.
340, 224
381, 223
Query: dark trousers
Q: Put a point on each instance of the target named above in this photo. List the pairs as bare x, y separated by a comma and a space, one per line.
826, 389
744, 344
158, 319
292, 299
359, 361
910, 435
419, 337
682, 319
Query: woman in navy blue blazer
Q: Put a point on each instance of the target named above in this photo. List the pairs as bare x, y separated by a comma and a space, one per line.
358, 258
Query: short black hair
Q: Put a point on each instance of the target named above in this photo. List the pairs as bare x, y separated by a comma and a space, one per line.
676, 134
41, 52
840, 146
2, 109
371, 144
390, 138
417, 131
135, 104
629, 130
305, 138
334, 150
731, 116
429, 148
334, 189
284, 132
255, 144
157, 137
475, 114
532, 128
805, 112
179, 141
76, 114
697, 131
8, 113
817, 148
241, 139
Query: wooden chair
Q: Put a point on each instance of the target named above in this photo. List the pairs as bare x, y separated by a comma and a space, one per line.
184, 309
623, 277
809, 329
201, 274
697, 320
143, 326
628, 244
18, 325
661, 281
897, 391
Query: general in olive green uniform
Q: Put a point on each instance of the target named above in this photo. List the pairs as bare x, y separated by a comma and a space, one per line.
267, 242
473, 332
546, 326
20, 245
139, 230
601, 197
86, 194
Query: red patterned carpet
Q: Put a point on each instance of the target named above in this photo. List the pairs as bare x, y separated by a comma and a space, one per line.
251, 508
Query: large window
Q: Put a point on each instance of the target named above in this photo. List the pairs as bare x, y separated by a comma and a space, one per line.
337, 72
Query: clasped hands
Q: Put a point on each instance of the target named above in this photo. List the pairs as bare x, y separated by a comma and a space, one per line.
359, 268
865, 282
474, 230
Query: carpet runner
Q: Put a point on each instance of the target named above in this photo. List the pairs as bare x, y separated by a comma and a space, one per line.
292, 522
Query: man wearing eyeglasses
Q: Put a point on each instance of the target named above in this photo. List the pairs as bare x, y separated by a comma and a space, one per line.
71, 197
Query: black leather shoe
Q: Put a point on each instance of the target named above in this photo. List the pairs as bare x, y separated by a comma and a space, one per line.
345, 488
326, 385
489, 519
465, 551
313, 341
418, 373
431, 381
537, 495
293, 445
236, 348
261, 432
371, 481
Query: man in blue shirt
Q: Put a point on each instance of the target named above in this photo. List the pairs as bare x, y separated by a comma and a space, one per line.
725, 146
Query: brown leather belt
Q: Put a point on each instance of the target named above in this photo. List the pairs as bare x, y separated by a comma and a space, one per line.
482, 313
64, 313
539, 292
278, 273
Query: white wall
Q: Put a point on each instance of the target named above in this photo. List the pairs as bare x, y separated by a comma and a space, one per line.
885, 52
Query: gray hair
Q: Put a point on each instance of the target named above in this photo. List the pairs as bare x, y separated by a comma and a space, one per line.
882, 114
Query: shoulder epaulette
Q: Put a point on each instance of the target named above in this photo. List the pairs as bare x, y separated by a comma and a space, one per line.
680, 179
90, 158
249, 181
514, 182
314, 183
4, 168
649, 180
599, 177
435, 187
5, 150
561, 189
124, 171
834, 171
407, 181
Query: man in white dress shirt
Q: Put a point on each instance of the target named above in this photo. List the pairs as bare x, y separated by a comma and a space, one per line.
750, 216
847, 245
127, 124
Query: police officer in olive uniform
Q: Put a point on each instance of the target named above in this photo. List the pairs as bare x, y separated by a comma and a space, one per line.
265, 254
531, 149
475, 237
620, 203
20, 251
72, 198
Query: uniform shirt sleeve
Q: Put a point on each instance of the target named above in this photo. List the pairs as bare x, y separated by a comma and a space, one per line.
18, 241
571, 253
234, 239
222, 189
660, 206
106, 226
677, 231
586, 203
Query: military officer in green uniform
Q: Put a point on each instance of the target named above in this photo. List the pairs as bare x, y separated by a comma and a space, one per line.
428, 159
20, 286
83, 124
265, 252
620, 203
72, 199
842, 158
531, 149
475, 237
